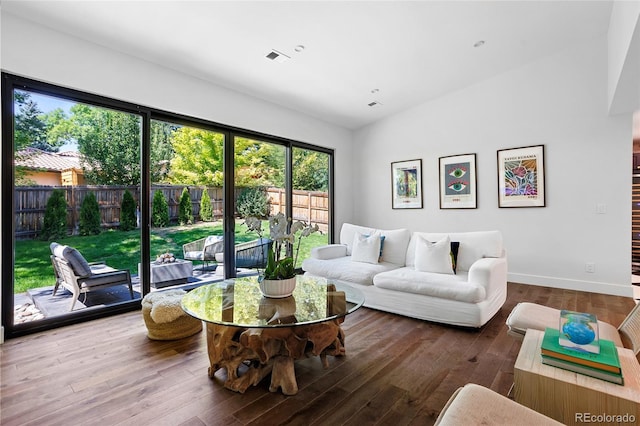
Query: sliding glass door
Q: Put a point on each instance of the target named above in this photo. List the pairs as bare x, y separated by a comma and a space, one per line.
104, 201
76, 198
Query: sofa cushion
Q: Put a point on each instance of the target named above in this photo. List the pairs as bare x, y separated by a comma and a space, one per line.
348, 232
434, 257
396, 242
444, 286
366, 248
344, 269
473, 246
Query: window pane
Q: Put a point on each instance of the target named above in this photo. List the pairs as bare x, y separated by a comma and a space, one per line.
310, 176
187, 204
75, 165
260, 192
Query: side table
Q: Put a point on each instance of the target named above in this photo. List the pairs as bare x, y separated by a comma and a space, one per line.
573, 398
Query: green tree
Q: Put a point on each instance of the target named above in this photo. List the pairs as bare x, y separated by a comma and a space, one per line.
160, 210
253, 201
198, 158
310, 170
259, 163
185, 215
161, 149
55, 217
128, 218
29, 128
109, 142
90, 215
206, 209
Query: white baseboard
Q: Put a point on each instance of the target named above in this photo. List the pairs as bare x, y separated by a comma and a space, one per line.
614, 289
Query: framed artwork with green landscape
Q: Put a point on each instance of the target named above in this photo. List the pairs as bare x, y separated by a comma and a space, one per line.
458, 188
406, 184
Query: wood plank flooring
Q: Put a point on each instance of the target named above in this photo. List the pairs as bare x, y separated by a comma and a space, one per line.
397, 371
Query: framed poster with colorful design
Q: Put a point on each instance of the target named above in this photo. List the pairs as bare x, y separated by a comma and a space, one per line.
458, 182
521, 177
406, 184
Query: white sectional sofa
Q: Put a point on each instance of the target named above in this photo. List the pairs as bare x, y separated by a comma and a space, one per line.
407, 279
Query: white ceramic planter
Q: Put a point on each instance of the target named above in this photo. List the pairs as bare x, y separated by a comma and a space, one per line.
278, 288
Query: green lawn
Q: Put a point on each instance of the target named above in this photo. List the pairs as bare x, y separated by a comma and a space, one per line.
121, 250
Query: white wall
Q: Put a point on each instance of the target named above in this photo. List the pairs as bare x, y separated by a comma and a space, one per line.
37, 52
561, 102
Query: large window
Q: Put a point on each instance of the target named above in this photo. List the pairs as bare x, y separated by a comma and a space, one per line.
149, 199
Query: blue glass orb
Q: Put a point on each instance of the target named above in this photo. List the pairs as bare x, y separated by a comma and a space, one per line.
579, 333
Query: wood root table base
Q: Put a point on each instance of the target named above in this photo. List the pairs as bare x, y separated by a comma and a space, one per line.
249, 354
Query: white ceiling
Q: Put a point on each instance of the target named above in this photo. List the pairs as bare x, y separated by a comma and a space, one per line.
411, 51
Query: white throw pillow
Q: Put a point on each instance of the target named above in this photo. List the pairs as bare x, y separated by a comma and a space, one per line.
366, 248
434, 257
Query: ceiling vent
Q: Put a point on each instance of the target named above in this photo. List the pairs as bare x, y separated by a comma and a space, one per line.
374, 104
279, 57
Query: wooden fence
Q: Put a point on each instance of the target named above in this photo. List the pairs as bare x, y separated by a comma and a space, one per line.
31, 202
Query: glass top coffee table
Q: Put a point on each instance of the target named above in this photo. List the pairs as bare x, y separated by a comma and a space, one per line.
250, 336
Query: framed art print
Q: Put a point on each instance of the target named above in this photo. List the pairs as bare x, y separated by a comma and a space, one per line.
521, 181
458, 188
406, 184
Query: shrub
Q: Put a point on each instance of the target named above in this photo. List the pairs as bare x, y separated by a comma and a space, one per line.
206, 209
160, 210
253, 201
89, 215
185, 216
128, 217
55, 217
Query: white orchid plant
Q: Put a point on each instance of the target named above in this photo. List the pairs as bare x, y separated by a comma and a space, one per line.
284, 232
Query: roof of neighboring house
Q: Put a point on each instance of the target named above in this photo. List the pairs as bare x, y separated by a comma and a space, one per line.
34, 158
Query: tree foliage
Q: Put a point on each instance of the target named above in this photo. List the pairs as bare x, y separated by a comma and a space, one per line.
35, 129
109, 142
160, 210
206, 209
253, 201
55, 217
161, 149
185, 215
310, 170
128, 218
90, 215
258, 163
198, 158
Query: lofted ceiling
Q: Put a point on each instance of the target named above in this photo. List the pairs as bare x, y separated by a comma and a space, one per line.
396, 53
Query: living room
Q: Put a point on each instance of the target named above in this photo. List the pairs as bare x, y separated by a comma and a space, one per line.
576, 98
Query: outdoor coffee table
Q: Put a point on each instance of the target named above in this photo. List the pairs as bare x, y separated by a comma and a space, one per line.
171, 273
250, 336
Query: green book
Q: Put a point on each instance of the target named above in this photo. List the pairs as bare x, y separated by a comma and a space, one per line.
606, 360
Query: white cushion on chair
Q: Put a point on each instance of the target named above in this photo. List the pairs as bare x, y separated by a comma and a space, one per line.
538, 317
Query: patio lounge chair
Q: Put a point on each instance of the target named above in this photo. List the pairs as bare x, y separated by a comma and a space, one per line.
250, 255
204, 249
75, 274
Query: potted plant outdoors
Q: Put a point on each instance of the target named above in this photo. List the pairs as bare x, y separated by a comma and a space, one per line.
279, 277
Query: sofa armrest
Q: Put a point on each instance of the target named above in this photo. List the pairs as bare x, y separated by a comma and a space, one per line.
489, 272
330, 251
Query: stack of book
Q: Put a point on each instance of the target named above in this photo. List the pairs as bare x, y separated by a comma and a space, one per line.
605, 365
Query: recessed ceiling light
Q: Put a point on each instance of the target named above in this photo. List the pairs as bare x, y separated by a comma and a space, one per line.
478, 43
375, 90
299, 48
280, 57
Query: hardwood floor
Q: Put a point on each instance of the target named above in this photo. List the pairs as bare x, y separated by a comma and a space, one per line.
397, 371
